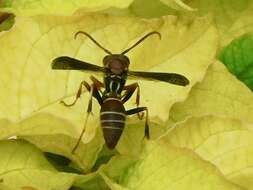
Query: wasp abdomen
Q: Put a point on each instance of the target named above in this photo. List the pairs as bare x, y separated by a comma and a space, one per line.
112, 116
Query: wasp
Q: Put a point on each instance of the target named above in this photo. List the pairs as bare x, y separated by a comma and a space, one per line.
112, 93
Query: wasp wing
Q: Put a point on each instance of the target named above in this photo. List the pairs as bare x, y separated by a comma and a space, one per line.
68, 63
172, 78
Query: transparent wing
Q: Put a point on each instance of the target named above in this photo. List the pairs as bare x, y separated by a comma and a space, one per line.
68, 63
172, 78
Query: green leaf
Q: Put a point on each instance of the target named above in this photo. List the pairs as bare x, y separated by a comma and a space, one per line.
227, 143
96, 183
22, 166
164, 166
177, 4
116, 169
61, 163
238, 58
233, 18
6, 21
104, 157
158, 8
60, 7
152, 9
219, 94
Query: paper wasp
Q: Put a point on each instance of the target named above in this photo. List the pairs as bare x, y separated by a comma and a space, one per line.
115, 92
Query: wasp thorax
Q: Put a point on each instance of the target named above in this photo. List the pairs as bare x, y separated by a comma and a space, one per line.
116, 63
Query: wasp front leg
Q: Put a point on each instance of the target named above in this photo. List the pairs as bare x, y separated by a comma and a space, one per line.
140, 110
97, 84
78, 94
129, 90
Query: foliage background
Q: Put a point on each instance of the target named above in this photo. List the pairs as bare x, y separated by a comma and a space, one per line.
201, 135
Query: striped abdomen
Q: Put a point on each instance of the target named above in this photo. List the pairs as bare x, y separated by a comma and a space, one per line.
112, 116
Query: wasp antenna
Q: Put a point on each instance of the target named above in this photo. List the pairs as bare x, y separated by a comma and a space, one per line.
143, 38
92, 39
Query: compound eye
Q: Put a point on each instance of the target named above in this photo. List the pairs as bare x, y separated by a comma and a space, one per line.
127, 60
107, 60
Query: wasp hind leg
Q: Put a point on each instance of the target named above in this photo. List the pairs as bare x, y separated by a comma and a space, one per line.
94, 92
85, 121
138, 110
129, 90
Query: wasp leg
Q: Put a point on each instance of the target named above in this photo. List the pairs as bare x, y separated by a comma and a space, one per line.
97, 84
93, 93
129, 90
138, 110
92, 89
78, 94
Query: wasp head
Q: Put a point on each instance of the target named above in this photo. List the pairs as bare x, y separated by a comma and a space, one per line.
116, 63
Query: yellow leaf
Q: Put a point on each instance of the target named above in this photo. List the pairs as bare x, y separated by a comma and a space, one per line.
59, 7
23, 165
162, 166
219, 94
28, 49
226, 143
